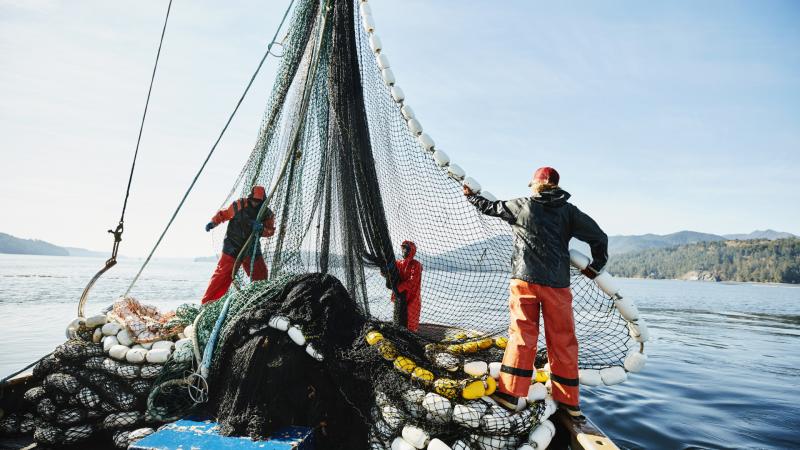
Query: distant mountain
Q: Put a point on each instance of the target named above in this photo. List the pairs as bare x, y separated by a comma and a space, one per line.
761, 234
75, 251
17, 246
627, 244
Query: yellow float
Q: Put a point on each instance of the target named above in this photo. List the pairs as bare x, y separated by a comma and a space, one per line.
446, 387
404, 364
421, 374
501, 342
541, 376
387, 350
373, 337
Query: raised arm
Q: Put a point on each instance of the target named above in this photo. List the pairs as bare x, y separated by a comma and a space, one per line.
495, 209
587, 230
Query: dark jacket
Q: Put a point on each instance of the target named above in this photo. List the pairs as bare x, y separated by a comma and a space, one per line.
241, 214
542, 229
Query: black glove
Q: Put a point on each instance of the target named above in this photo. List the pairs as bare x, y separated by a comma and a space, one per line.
590, 272
210, 226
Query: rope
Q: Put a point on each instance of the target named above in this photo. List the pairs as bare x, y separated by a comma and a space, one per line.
213, 148
117, 232
3, 381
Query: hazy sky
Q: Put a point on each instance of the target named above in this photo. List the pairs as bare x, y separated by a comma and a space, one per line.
659, 116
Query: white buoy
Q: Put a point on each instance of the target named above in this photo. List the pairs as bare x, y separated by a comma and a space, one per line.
550, 407
412, 399
186, 342
441, 158
488, 196
111, 328
388, 77
436, 444
627, 309
157, 356
96, 321
401, 444
605, 281
124, 337
476, 368
536, 392
149, 345
108, 342
541, 436
490, 442
456, 172
495, 423
438, 407
589, 377
415, 436
365, 10
397, 94
613, 375
460, 445
296, 335
473, 184
466, 416
407, 112
635, 361
494, 369
189, 331
415, 127
136, 355
383, 61
375, 43
426, 142
279, 323
638, 331
578, 259
97, 336
163, 344
118, 352
313, 353
368, 22
392, 416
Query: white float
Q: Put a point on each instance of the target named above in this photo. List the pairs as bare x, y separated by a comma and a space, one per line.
407, 112
605, 281
279, 323
382, 60
466, 416
365, 10
118, 352
437, 406
536, 392
368, 23
392, 416
375, 43
397, 94
473, 184
314, 353
388, 77
613, 375
627, 309
157, 356
136, 355
163, 344
189, 331
476, 368
413, 402
494, 369
578, 259
550, 407
460, 445
185, 342
490, 442
415, 127
638, 331
97, 336
108, 342
124, 337
426, 142
590, 377
493, 423
401, 444
436, 444
296, 335
111, 328
415, 436
541, 436
635, 361
456, 172
96, 321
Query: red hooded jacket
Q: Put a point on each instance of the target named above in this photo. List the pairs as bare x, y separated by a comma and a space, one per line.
410, 284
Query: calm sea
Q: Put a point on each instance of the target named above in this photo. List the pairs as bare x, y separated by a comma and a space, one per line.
723, 368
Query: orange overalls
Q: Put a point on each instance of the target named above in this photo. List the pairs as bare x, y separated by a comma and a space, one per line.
525, 301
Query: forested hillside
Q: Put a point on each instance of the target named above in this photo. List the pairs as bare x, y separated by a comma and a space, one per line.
761, 260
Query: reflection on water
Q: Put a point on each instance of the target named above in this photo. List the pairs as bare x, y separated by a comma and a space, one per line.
723, 368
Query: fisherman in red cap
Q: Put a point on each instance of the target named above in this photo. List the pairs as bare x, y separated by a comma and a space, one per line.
543, 225
410, 284
241, 216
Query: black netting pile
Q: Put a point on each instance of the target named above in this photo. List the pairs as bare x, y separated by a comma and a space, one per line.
351, 181
81, 393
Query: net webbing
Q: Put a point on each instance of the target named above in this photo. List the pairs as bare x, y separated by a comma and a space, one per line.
358, 183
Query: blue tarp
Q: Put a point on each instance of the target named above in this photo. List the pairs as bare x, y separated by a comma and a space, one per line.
189, 434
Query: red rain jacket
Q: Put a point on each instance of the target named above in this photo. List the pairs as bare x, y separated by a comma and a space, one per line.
410, 284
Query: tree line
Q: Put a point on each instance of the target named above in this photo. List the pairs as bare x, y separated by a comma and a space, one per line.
758, 260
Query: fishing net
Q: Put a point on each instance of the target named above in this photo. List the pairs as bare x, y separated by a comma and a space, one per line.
351, 181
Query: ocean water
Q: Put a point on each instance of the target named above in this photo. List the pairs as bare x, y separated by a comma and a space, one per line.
723, 368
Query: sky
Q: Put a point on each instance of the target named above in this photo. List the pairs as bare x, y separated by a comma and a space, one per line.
660, 116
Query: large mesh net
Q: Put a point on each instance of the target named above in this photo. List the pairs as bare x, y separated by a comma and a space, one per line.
351, 181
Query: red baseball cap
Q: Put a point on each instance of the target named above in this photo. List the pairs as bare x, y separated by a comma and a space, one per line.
545, 175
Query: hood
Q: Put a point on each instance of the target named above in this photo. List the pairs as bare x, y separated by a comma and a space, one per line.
555, 197
258, 192
413, 250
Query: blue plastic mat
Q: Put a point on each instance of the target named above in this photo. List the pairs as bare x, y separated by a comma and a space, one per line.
188, 434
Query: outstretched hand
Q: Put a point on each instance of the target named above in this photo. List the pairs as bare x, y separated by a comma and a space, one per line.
210, 226
467, 190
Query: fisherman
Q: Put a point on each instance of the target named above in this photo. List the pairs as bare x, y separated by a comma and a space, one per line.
242, 215
543, 225
410, 284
